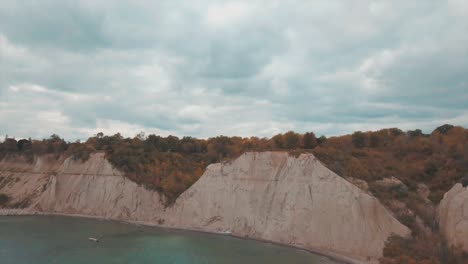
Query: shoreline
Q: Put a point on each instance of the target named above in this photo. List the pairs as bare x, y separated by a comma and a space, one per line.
333, 256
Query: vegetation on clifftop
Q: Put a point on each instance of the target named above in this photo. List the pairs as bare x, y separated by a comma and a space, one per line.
422, 167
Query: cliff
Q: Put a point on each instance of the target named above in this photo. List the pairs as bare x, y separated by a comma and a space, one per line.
453, 216
268, 196
66, 186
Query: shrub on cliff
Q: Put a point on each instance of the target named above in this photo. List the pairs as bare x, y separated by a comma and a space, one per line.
464, 180
80, 151
359, 139
418, 250
4, 199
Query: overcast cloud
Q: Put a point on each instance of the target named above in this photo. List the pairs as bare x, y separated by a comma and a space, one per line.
205, 68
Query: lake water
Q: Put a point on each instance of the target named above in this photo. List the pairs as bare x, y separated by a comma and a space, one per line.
64, 240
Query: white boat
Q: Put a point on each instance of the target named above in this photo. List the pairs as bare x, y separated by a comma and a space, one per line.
93, 239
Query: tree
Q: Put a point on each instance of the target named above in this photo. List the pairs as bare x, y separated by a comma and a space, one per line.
24, 144
10, 145
310, 141
4, 199
414, 133
55, 137
374, 140
359, 139
444, 129
141, 136
292, 140
395, 132
464, 180
321, 139
430, 168
278, 141
173, 143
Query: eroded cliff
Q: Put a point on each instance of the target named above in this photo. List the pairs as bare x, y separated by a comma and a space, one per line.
294, 201
453, 216
269, 196
67, 186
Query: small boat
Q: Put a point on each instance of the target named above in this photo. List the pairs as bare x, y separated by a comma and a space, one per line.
93, 239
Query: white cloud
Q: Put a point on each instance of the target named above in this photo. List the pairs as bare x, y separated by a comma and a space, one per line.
60, 95
26, 87
8, 50
227, 14
459, 7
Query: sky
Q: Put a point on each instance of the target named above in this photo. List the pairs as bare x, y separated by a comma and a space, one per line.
248, 68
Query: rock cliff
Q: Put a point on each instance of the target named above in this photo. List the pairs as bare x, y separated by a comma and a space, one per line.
453, 216
267, 196
295, 201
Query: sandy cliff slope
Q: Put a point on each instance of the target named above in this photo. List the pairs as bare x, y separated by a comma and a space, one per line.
453, 216
268, 196
295, 201
25, 181
66, 186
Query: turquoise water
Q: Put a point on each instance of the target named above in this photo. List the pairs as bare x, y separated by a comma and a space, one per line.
64, 240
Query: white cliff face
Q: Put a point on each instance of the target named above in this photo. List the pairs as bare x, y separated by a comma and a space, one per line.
453, 216
269, 196
295, 201
23, 181
92, 188
95, 188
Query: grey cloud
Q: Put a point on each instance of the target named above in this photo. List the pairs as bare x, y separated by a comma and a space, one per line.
48, 24
247, 67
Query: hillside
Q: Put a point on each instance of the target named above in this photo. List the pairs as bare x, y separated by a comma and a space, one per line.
409, 172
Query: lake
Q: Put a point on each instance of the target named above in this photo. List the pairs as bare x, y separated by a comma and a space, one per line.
64, 240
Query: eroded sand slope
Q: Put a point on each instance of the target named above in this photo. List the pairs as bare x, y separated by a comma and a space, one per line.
294, 201
453, 216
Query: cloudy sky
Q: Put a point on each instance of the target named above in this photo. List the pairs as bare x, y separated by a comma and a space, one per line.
205, 68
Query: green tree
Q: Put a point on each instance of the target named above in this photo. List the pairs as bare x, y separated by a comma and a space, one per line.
321, 139
359, 139
444, 129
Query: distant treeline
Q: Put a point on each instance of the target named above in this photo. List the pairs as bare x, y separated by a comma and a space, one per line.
170, 165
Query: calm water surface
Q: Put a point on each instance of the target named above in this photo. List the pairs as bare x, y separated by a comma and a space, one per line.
64, 240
